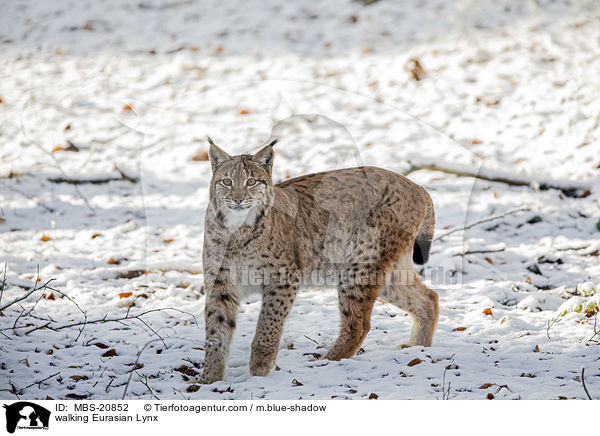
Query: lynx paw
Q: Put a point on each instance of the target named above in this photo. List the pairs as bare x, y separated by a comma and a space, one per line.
206, 379
260, 369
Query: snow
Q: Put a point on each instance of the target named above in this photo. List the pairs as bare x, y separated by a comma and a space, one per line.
509, 88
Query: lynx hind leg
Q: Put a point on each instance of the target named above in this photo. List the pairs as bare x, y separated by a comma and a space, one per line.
406, 290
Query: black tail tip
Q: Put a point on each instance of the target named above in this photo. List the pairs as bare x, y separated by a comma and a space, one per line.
421, 251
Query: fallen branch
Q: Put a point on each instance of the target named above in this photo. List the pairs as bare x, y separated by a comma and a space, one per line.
568, 188
465, 253
98, 180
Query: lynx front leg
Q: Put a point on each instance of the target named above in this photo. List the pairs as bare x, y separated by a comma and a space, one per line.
276, 304
220, 316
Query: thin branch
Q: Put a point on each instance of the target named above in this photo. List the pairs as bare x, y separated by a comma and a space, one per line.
145, 383
483, 221
35, 288
583, 383
41, 381
30, 197
3, 286
106, 319
137, 359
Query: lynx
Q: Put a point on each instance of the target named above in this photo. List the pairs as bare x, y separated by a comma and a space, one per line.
361, 225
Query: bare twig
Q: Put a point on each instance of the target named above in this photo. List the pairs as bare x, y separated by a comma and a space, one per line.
311, 339
39, 382
137, 359
446, 392
596, 330
23, 297
483, 221
30, 197
550, 324
583, 383
105, 319
145, 383
3, 285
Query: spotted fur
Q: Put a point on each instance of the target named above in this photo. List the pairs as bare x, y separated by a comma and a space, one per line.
359, 225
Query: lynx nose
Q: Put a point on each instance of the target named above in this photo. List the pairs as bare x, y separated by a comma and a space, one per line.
238, 201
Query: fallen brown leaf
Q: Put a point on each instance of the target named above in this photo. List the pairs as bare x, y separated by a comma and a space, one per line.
415, 361
487, 311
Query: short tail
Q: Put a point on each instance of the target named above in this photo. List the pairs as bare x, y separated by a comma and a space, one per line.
425, 236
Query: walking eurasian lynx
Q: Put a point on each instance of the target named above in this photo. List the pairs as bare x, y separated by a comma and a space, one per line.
361, 226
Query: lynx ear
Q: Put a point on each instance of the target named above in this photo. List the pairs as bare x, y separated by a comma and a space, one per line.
217, 156
264, 157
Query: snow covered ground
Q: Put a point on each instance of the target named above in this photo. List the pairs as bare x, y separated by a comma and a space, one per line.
135, 86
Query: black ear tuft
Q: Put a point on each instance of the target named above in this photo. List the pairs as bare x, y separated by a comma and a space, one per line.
275, 141
216, 155
264, 157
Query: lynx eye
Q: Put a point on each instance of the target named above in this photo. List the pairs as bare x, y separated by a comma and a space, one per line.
251, 182
226, 182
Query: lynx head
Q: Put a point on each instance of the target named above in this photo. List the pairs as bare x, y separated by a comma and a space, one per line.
241, 189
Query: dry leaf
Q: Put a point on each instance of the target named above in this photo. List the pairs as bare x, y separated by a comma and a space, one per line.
127, 107
219, 49
79, 377
193, 388
489, 260
297, 383
101, 345
45, 238
243, 112
486, 385
132, 274
77, 396
110, 353
201, 156
487, 311
415, 361
373, 396
96, 235
125, 294
50, 296
168, 240
489, 396
415, 69
460, 329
